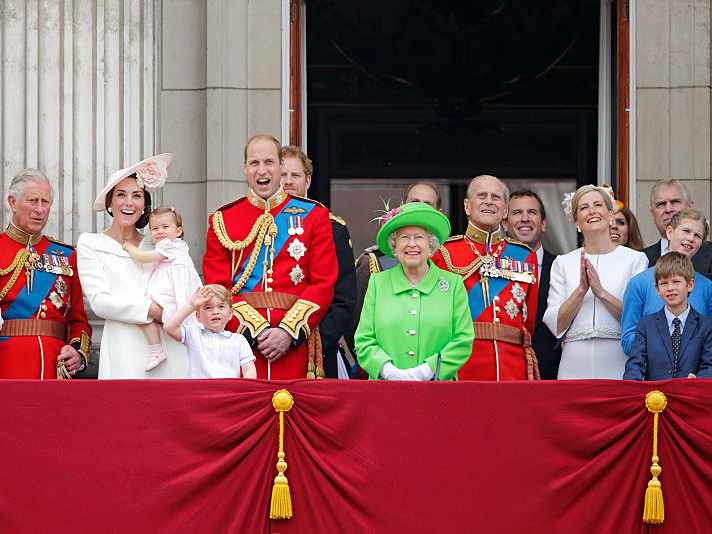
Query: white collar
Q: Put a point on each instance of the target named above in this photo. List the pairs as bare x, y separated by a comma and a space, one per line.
224, 333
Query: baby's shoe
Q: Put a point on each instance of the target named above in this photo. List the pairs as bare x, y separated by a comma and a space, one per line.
156, 358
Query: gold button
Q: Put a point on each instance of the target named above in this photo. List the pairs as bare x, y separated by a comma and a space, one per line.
496, 298
269, 289
44, 307
43, 315
269, 280
497, 309
496, 319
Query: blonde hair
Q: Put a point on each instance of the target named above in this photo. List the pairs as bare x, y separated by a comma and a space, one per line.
587, 189
220, 292
689, 214
672, 264
163, 210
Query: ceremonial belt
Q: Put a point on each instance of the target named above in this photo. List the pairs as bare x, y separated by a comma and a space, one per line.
34, 327
284, 301
498, 332
275, 301
515, 336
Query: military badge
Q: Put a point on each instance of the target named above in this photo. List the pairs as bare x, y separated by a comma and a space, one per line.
296, 274
56, 299
443, 285
511, 308
61, 286
294, 210
518, 292
525, 314
297, 249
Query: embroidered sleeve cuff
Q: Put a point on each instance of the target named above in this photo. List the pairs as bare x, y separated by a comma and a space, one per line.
297, 316
83, 346
250, 319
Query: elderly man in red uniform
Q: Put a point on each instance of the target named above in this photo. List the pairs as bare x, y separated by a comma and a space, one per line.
275, 253
45, 332
500, 276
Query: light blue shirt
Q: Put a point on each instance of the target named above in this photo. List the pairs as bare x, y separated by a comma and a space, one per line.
641, 299
683, 317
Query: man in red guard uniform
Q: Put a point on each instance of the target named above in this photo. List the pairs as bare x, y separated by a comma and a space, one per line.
500, 276
276, 254
45, 332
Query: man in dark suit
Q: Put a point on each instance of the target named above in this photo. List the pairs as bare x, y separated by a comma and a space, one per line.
667, 198
526, 221
676, 341
296, 179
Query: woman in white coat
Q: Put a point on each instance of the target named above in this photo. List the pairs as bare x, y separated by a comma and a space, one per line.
113, 282
586, 291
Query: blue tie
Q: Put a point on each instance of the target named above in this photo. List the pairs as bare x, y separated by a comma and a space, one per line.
676, 339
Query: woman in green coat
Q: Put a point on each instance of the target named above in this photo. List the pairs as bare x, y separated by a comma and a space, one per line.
415, 323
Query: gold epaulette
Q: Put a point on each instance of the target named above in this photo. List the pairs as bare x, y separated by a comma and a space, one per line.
454, 238
307, 200
53, 240
228, 205
337, 219
515, 242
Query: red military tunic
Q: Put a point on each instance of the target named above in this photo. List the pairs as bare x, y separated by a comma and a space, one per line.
507, 297
55, 296
304, 266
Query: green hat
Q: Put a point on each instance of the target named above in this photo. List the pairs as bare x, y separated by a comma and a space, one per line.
412, 214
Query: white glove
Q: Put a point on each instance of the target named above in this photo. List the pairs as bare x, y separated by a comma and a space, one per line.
391, 372
422, 373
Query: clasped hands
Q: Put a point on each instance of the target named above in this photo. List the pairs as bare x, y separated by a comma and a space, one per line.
589, 278
422, 373
273, 343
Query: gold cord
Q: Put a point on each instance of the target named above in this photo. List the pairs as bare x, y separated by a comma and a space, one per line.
17, 265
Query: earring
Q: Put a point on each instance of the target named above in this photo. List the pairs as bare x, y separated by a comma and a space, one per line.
578, 229
108, 209
610, 222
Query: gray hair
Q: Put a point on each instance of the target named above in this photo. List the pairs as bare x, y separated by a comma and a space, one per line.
433, 241
471, 186
17, 185
670, 183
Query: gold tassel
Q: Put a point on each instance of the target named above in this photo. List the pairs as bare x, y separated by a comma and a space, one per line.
654, 508
281, 503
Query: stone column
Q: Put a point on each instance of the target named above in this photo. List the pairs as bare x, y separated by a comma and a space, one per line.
673, 101
77, 98
221, 84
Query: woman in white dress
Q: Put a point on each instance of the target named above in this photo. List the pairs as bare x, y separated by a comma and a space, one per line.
586, 291
113, 282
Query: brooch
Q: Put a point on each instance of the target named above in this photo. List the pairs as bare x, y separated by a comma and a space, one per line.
511, 308
56, 300
296, 274
61, 286
443, 285
296, 249
518, 292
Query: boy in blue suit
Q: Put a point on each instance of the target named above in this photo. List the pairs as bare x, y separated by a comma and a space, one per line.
676, 341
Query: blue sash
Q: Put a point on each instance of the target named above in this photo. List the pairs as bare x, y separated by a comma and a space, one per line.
25, 306
475, 296
282, 222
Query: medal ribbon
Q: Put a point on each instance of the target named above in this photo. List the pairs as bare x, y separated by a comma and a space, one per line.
25, 306
475, 295
282, 222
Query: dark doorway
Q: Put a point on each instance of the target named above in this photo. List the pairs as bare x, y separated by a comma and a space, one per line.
444, 90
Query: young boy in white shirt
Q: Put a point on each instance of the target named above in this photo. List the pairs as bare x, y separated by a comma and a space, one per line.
213, 352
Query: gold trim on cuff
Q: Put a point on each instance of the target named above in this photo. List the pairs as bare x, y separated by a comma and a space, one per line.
296, 317
250, 318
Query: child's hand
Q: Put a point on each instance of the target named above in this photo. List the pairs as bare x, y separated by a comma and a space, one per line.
128, 246
692, 375
200, 297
